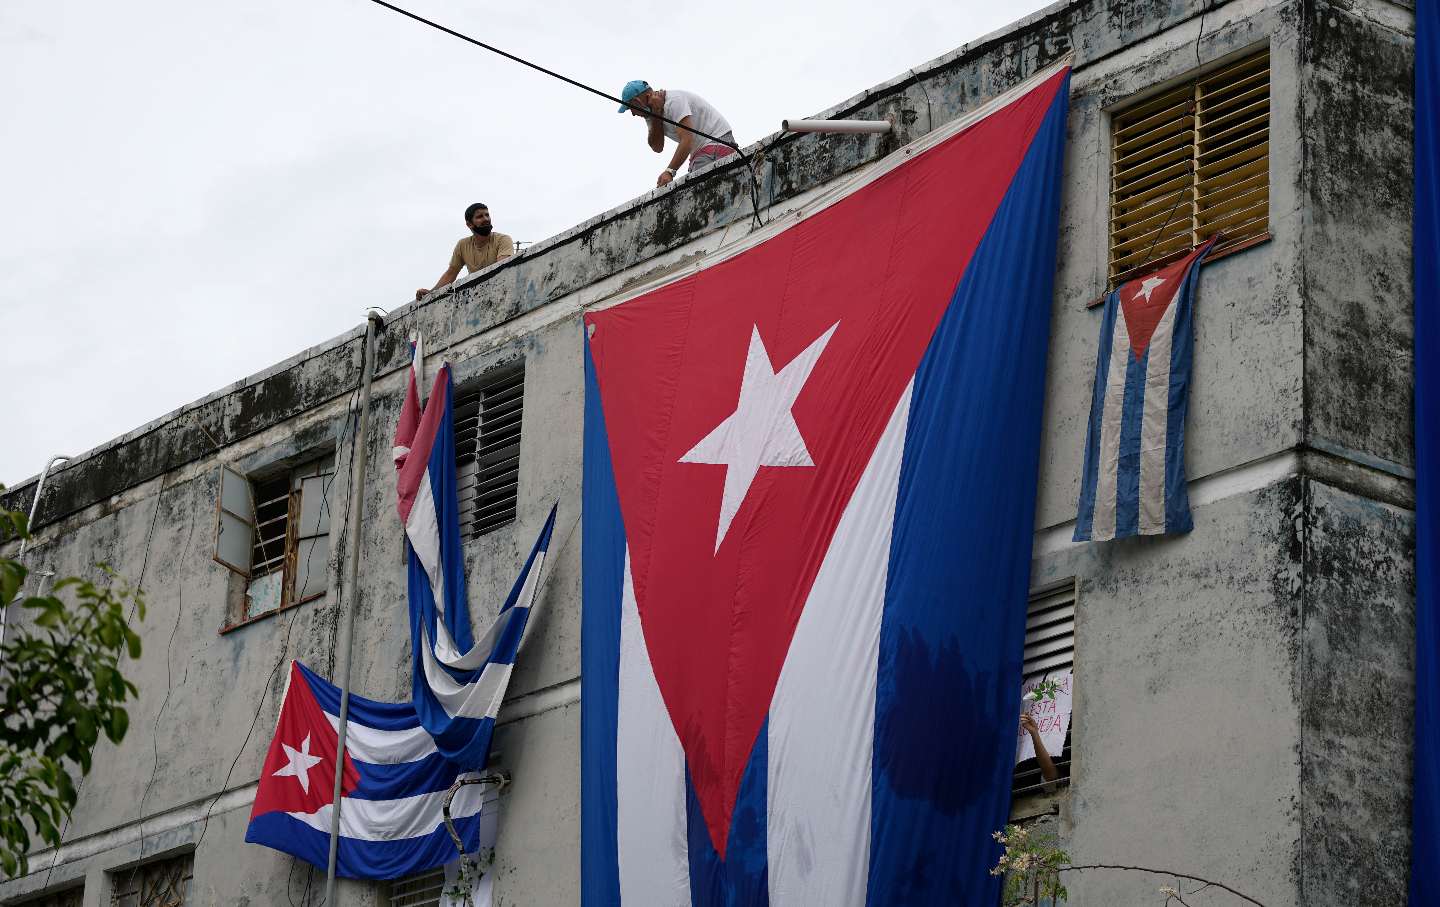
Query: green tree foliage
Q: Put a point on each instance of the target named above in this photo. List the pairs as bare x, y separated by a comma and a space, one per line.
61, 687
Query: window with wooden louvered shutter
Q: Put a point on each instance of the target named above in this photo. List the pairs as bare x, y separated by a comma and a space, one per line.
488, 416
1049, 652
1189, 163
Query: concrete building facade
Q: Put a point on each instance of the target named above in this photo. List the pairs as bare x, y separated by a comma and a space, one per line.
1243, 692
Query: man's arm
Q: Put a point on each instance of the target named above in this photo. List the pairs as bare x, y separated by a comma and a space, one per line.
447, 278
505, 247
451, 272
683, 149
1048, 772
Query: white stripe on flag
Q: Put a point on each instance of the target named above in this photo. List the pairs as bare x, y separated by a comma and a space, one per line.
651, 838
393, 820
1107, 478
480, 698
480, 652
822, 717
1155, 424
368, 744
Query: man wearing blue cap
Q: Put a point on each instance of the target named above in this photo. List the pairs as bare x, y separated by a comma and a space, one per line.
690, 111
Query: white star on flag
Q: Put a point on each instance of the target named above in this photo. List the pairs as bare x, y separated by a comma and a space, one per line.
300, 763
1148, 286
761, 431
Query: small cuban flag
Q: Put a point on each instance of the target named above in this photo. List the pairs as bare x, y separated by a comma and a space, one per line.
392, 793
1134, 478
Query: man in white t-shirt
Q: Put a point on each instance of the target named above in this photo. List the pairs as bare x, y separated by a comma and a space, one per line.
689, 110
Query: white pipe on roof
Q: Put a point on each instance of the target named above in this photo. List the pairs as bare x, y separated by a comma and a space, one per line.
851, 126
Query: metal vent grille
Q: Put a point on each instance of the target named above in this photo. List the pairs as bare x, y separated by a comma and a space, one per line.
422, 890
488, 417
165, 883
1049, 649
1188, 164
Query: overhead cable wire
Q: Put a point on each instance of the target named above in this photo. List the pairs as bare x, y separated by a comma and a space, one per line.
744, 158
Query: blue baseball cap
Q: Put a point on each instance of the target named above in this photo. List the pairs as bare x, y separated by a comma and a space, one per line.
631, 89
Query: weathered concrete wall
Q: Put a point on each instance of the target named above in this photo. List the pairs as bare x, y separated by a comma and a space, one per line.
1218, 625
1187, 714
1357, 108
1358, 669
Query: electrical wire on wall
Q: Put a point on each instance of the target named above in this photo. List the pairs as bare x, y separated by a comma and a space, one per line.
294, 616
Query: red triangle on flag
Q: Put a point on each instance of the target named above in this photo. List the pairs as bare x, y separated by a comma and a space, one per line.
299, 770
1144, 300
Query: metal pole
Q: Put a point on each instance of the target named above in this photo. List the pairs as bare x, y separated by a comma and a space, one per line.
352, 571
846, 126
25, 542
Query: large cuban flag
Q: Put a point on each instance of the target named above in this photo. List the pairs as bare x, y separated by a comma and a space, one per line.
1133, 482
394, 787
459, 681
810, 472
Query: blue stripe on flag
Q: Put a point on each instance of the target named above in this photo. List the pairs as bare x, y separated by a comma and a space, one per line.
447, 512
603, 542
1182, 345
953, 628
741, 879
403, 779
1089, 479
1132, 413
383, 716
358, 859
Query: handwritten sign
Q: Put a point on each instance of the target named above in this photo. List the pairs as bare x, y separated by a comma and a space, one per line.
1052, 717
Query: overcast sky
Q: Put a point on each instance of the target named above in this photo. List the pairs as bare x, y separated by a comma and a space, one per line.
192, 192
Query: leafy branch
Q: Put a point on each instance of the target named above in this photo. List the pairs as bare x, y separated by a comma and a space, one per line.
63, 687
1033, 861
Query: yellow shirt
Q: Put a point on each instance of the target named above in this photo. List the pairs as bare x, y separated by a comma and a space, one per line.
477, 252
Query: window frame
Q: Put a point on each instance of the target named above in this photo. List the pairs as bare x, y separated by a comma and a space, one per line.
314, 465
423, 889
131, 882
1196, 212
1041, 602
507, 384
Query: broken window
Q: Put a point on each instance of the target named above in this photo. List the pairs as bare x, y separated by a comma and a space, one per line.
488, 415
275, 532
1188, 163
1049, 655
420, 890
161, 883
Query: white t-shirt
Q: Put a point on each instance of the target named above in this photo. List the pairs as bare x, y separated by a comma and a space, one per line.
703, 117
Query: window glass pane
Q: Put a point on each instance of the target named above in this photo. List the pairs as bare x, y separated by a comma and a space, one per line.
232, 548
315, 492
263, 595
312, 561
234, 492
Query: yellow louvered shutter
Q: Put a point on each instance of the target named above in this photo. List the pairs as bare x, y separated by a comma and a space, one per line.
1188, 163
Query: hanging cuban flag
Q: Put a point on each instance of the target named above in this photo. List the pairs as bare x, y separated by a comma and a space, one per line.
393, 791
809, 493
459, 682
1134, 477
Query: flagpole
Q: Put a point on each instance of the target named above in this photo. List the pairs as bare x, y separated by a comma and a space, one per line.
352, 571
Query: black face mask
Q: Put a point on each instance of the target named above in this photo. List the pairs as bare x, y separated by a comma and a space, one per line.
482, 231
